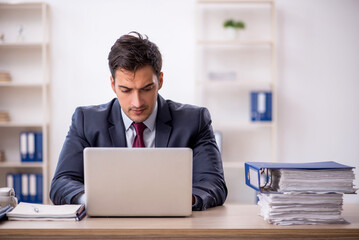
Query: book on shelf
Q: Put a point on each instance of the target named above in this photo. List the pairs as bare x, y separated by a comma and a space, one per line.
5, 77
31, 147
222, 76
261, 106
300, 193
4, 117
29, 211
28, 187
38, 147
2, 156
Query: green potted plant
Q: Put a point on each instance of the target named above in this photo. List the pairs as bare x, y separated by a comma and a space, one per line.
232, 27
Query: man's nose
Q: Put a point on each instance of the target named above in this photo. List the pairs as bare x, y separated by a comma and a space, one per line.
136, 99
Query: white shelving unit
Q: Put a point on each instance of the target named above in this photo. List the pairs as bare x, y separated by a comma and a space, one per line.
24, 54
228, 69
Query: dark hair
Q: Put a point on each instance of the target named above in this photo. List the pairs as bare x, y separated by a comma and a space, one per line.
134, 52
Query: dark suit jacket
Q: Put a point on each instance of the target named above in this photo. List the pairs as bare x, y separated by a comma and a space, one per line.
177, 125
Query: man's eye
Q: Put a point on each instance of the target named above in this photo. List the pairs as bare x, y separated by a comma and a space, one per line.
124, 90
148, 89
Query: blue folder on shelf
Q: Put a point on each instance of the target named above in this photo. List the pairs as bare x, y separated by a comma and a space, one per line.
257, 172
38, 146
31, 154
31, 147
23, 147
28, 187
261, 106
13, 180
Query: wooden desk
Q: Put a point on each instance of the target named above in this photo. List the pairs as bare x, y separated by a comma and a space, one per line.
225, 222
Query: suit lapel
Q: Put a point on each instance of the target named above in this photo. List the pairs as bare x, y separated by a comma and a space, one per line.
163, 124
117, 130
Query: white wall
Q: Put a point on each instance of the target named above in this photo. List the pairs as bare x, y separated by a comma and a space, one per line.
318, 82
82, 34
318, 73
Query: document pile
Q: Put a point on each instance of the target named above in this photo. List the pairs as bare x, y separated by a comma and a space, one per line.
7, 201
7, 197
313, 180
304, 193
32, 211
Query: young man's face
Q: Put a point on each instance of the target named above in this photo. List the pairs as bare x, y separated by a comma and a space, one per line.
137, 93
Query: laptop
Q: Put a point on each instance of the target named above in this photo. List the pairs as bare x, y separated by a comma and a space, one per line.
138, 181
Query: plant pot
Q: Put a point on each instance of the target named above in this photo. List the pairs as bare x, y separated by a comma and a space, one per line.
232, 33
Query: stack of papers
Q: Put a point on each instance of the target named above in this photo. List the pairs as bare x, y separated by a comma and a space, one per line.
7, 197
306, 180
32, 211
7, 201
4, 210
301, 193
288, 209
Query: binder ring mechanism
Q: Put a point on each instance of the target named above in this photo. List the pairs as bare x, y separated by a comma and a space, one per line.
268, 179
259, 179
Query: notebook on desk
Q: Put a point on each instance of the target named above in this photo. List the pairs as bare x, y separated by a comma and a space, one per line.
138, 181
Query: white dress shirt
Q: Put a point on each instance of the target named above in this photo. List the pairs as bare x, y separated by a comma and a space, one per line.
148, 134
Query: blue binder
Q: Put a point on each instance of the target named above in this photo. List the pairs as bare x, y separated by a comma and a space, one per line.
39, 190
14, 181
38, 146
23, 147
261, 106
17, 186
24, 187
32, 188
31, 147
257, 172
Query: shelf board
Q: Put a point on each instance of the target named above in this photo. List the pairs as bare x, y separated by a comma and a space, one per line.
19, 5
235, 1
233, 164
221, 43
21, 45
21, 164
241, 126
21, 84
236, 84
20, 124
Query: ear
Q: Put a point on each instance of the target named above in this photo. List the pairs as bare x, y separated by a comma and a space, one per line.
160, 81
113, 84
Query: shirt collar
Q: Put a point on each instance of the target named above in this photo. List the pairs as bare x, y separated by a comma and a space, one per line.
149, 122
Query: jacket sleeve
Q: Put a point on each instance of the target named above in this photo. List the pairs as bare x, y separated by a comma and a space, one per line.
209, 187
68, 180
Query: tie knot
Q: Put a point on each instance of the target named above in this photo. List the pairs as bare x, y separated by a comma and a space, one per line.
139, 127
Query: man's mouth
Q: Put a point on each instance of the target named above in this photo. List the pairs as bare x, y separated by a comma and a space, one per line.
138, 111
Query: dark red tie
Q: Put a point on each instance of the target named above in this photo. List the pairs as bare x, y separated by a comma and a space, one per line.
138, 142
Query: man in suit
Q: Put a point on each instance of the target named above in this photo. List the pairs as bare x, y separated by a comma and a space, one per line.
135, 64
